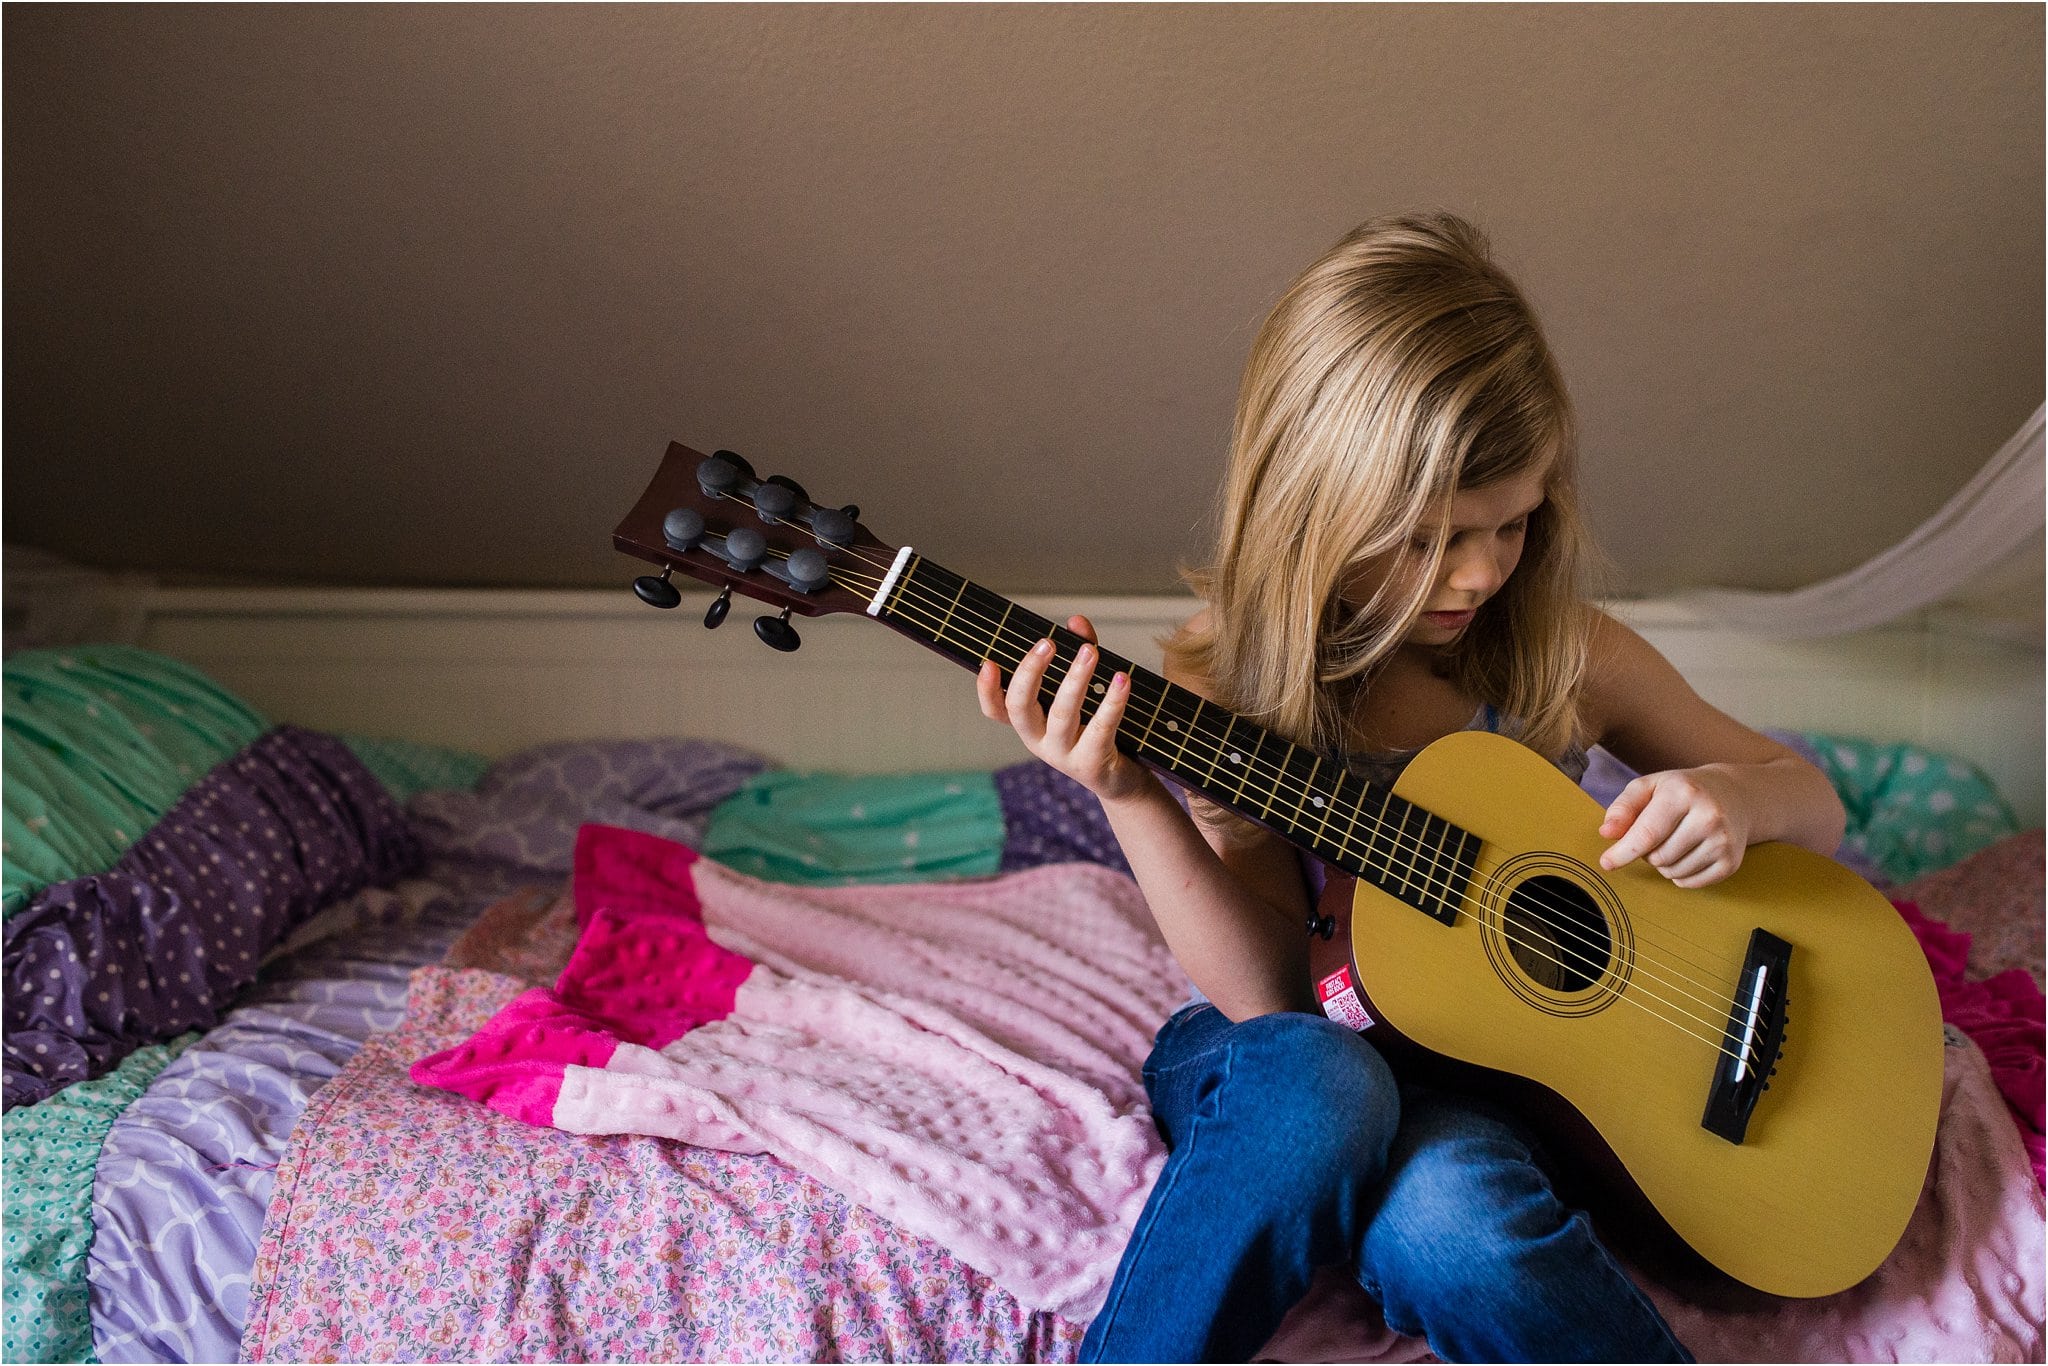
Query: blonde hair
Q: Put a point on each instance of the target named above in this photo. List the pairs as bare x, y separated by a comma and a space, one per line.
1398, 369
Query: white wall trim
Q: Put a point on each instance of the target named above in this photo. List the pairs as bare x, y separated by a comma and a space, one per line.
496, 669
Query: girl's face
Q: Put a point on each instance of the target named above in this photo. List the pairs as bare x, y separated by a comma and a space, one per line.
1488, 525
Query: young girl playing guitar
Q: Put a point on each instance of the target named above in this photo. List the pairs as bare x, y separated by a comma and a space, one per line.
1401, 557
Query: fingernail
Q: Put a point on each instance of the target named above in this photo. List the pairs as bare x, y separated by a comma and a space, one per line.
1122, 680
1042, 647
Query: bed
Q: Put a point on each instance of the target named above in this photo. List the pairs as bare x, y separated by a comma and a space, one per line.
325, 1046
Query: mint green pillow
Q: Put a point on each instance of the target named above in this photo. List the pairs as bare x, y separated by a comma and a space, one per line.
100, 741
407, 769
1912, 810
840, 828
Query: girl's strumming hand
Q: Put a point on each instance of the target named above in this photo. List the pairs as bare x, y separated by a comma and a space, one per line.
1690, 824
1086, 753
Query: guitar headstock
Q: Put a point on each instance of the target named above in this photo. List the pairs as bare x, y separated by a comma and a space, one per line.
713, 518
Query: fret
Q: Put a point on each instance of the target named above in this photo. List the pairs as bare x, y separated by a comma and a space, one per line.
1233, 757
951, 608
1269, 787
1145, 740
1001, 622
1447, 886
1414, 827
1306, 796
1189, 728
1431, 834
1324, 802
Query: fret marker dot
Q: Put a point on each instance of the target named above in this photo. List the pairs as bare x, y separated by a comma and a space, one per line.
1315, 801
1236, 758
1173, 725
1097, 689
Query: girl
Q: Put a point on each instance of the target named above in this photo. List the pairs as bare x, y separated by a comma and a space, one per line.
1400, 557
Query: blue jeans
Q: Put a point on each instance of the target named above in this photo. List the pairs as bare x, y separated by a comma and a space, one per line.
1292, 1147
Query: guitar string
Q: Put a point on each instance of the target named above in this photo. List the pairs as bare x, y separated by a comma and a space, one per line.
1595, 961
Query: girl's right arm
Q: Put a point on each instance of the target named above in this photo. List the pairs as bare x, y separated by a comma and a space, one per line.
1232, 913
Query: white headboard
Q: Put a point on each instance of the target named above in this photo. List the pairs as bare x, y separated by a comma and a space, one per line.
494, 670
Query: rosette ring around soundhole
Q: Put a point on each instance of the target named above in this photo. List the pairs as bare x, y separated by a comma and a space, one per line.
1556, 934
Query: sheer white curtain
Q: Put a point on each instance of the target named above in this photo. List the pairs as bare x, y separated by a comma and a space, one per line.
1998, 512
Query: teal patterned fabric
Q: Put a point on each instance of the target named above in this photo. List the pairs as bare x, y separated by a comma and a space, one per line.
844, 828
101, 741
1912, 810
406, 768
47, 1152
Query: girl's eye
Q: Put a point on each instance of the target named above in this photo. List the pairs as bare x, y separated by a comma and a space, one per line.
1515, 528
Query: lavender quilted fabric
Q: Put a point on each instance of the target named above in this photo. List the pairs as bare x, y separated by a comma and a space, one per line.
187, 1171
519, 824
97, 966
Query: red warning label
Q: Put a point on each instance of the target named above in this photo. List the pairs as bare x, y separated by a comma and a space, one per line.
1340, 1000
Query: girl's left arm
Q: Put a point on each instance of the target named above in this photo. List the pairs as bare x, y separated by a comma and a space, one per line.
1711, 786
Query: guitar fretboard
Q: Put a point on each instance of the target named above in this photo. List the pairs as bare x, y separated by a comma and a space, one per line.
1307, 798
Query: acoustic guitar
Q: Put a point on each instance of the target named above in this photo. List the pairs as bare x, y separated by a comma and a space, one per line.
1754, 1067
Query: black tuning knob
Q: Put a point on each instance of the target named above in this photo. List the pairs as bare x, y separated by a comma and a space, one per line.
683, 528
832, 527
776, 502
777, 632
745, 548
1321, 926
715, 613
657, 591
722, 471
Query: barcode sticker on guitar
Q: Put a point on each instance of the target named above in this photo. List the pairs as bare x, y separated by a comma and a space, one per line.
1340, 1000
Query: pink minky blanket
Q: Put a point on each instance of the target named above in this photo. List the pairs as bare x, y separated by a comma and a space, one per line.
1966, 1284
963, 1058
413, 1225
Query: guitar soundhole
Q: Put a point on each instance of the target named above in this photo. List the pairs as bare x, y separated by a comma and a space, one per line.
1557, 935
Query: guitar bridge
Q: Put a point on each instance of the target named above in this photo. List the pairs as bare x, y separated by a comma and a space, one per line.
1753, 1039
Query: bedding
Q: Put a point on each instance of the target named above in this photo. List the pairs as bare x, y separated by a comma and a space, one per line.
229, 1141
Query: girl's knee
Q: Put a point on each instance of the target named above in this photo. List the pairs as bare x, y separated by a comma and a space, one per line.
1318, 1087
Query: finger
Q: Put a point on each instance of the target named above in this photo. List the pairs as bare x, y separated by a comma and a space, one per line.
1098, 738
1650, 827
1083, 628
988, 690
1699, 829
1717, 871
1692, 862
1021, 703
1623, 810
1063, 717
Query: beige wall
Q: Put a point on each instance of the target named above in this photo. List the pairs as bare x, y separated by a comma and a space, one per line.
407, 295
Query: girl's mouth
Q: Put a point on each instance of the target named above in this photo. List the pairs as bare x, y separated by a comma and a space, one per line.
1449, 620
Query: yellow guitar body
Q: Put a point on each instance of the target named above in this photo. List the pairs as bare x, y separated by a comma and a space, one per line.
1629, 1031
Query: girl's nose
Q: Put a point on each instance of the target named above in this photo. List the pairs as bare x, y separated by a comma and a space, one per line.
1473, 571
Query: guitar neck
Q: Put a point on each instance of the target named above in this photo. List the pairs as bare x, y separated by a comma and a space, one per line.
1307, 798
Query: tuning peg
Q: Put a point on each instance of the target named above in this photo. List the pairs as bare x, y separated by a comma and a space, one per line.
721, 472
745, 548
833, 528
657, 591
683, 528
776, 501
715, 613
777, 632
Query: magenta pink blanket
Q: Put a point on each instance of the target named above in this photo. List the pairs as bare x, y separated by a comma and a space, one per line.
2003, 1013
962, 1058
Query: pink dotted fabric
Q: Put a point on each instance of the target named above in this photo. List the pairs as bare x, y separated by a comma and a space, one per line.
413, 1224
962, 1058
